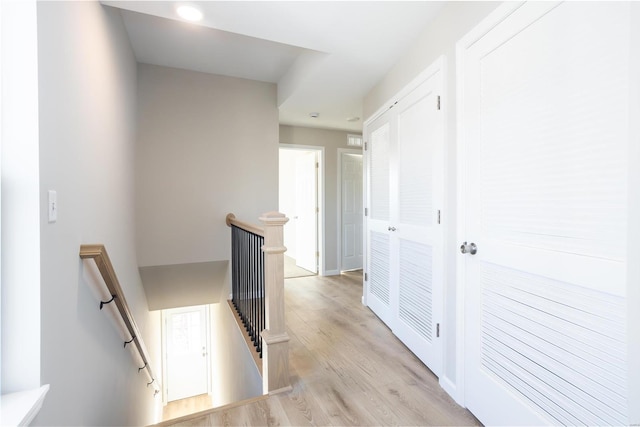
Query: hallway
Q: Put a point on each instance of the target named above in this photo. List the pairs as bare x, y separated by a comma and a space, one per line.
347, 369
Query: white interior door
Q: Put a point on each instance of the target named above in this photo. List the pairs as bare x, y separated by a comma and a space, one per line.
186, 352
404, 236
378, 286
419, 189
351, 210
306, 216
543, 196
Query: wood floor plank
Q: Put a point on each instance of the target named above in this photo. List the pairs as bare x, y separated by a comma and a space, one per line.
302, 407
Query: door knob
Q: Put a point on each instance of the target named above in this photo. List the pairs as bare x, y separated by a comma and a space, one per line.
470, 248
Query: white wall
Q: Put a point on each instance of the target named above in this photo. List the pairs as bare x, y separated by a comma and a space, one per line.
331, 140
235, 375
87, 95
287, 197
207, 145
439, 38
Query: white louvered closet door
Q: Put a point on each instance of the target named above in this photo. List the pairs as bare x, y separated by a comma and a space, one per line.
404, 265
378, 265
417, 235
545, 133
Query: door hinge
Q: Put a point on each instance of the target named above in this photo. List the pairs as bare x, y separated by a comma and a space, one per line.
366, 277
317, 254
365, 146
317, 210
317, 165
438, 216
366, 211
438, 102
437, 330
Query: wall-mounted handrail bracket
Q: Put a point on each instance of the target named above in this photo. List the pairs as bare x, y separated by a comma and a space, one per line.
148, 384
102, 303
129, 342
140, 369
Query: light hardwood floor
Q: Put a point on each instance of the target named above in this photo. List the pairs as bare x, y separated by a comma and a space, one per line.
347, 368
188, 406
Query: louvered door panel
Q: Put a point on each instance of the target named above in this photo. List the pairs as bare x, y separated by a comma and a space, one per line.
417, 136
379, 284
416, 288
558, 345
379, 158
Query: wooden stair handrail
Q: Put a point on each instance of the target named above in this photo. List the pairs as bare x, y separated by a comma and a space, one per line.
99, 254
255, 229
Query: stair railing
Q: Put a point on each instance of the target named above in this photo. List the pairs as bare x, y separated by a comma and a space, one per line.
257, 263
99, 255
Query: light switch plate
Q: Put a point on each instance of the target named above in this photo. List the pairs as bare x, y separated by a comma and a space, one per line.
53, 206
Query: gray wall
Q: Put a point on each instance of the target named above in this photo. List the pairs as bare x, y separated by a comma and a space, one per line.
439, 38
234, 373
331, 140
87, 97
207, 145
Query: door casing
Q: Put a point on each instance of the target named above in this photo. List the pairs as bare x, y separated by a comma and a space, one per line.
321, 200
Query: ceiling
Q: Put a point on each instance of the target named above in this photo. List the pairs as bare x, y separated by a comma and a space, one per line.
325, 56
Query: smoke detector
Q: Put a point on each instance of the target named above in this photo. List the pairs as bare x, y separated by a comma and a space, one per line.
314, 115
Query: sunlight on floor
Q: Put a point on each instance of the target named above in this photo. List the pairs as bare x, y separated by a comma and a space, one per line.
187, 406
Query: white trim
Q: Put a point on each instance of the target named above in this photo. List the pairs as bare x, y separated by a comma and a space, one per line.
210, 349
448, 386
365, 206
633, 250
460, 226
342, 151
331, 273
321, 199
20, 408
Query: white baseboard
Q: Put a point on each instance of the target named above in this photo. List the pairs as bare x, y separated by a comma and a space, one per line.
451, 389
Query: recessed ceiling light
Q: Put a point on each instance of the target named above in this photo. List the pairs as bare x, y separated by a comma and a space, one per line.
189, 13
353, 119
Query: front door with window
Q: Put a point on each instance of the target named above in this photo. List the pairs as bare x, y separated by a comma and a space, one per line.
186, 352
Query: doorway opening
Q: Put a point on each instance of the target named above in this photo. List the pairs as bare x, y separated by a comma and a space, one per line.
186, 349
300, 187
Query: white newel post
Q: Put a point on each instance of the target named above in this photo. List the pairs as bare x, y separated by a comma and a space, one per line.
275, 340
